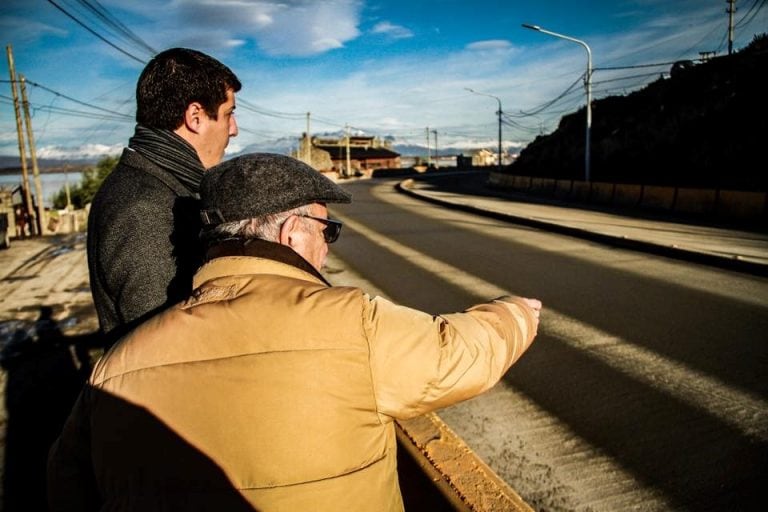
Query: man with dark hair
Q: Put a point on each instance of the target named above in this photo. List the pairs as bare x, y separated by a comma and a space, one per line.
143, 225
270, 376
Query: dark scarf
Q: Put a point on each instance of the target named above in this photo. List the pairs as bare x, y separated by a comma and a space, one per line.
262, 249
171, 153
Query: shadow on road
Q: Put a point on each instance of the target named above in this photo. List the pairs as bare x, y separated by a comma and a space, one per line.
45, 372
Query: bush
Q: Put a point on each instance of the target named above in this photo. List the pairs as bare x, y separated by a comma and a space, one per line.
83, 193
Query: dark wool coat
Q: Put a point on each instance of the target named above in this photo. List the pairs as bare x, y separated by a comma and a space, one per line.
143, 244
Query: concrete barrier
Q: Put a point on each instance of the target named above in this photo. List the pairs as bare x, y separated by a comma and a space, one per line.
563, 188
733, 204
521, 183
497, 179
728, 205
602, 193
580, 191
627, 195
658, 198
696, 200
543, 186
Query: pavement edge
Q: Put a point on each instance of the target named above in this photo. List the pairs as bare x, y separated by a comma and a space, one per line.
407, 187
462, 477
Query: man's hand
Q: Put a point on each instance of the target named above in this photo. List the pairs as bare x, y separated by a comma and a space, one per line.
534, 304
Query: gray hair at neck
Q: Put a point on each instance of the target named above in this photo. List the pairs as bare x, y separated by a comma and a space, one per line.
265, 227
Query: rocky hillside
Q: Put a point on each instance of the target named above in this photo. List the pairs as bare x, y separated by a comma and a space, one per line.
706, 125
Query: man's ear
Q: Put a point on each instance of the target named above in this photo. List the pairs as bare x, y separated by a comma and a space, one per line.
291, 232
193, 117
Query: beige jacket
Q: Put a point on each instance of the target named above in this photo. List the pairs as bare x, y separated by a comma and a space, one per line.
270, 388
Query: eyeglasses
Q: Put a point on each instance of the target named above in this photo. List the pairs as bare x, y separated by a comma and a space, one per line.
332, 228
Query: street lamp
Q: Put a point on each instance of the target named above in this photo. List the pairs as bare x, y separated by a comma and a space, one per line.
499, 113
587, 85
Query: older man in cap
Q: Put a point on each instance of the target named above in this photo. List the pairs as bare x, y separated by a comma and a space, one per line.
268, 388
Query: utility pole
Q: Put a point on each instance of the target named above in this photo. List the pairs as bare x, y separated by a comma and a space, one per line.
731, 10
499, 112
66, 187
22, 152
437, 153
349, 162
33, 156
429, 156
308, 149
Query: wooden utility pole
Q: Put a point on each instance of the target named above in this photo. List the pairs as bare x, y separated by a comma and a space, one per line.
348, 170
309, 144
33, 156
22, 152
731, 10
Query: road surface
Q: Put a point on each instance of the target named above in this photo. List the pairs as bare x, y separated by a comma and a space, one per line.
646, 389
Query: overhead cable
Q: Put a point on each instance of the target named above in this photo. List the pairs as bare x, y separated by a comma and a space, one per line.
89, 29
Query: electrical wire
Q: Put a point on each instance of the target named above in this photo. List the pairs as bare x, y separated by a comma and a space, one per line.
35, 84
118, 28
89, 29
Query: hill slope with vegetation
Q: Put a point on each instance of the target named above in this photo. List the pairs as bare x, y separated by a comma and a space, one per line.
706, 125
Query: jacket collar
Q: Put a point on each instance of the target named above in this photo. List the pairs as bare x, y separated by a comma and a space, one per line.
237, 257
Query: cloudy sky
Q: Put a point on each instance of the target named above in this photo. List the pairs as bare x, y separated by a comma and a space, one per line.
384, 67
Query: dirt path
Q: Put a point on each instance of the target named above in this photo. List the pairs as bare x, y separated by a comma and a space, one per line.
46, 314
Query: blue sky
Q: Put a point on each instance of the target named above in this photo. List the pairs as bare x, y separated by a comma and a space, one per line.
383, 67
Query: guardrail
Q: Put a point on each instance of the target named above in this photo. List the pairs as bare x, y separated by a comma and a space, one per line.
714, 204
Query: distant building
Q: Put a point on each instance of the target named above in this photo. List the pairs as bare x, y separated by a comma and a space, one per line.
363, 153
483, 158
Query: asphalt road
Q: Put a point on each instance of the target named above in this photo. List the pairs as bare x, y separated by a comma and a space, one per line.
646, 389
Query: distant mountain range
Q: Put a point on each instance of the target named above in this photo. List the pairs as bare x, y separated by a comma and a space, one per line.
285, 145
12, 164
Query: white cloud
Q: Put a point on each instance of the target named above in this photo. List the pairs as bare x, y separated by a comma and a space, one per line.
390, 30
321, 45
286, 28
493, 45
24, 30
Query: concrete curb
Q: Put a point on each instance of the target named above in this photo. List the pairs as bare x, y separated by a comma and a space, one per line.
735, 263
464, 480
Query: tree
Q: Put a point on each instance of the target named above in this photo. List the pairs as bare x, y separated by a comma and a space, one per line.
83, 193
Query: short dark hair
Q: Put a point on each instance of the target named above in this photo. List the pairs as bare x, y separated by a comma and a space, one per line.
177, 77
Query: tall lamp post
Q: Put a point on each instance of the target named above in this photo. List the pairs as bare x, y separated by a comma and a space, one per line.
499, 113
587, 85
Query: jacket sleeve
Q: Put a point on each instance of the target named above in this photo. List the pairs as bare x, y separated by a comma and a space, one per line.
421, 362
71, 479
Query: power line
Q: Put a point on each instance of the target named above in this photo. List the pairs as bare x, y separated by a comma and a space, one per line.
548, 104
80, 113
89, 29
118, 28
35, 84
636, 66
